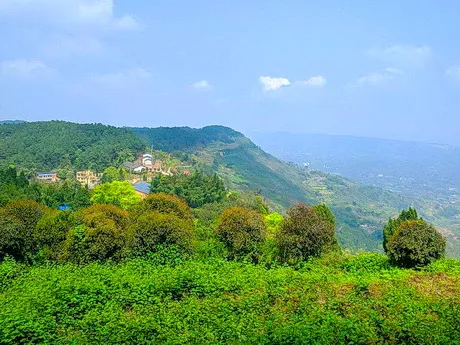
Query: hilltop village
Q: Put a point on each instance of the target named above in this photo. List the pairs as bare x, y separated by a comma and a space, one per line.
138, 173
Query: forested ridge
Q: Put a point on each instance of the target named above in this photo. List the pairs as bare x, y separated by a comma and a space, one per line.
37, 146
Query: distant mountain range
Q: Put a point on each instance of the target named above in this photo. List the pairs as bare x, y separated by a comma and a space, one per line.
11, 122
412, 168
361, 210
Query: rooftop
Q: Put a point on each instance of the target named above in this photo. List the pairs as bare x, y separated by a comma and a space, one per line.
142, 187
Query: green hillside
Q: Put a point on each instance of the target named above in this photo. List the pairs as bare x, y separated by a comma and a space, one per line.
360, 210
36, 146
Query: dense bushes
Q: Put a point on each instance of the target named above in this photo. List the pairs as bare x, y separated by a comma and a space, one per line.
242, 231
415, 243
221, 302
31, 232
305, 233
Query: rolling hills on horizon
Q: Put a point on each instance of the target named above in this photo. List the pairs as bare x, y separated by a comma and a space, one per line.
360, 210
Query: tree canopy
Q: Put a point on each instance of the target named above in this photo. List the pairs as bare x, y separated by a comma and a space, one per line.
117, 193
197, 189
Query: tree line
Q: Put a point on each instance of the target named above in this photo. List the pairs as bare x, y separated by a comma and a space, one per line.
32, 232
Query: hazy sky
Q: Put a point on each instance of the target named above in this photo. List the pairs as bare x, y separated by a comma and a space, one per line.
388, 68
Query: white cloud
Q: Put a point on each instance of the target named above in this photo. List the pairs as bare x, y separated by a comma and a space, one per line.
270, 83
202, 85
408, 56
26, 68
379, 77
454, 72
316, 82
69, 13
121, 79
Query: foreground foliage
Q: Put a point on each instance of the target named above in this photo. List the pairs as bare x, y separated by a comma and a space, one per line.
335, 300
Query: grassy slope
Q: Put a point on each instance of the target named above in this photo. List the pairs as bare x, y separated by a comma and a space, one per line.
338, 300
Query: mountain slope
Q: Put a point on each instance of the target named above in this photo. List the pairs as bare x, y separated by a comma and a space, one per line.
361, 210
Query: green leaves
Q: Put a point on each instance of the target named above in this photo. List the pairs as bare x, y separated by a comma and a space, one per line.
117, 193
145, 301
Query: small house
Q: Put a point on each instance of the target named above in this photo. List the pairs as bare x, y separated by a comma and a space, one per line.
88, 178
46, 176
134, 167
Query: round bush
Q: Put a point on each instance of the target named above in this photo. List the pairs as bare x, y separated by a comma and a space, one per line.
100, 234
415, 243
166, 204
393, 223
305, 233
17, 226
241, 231
153, 229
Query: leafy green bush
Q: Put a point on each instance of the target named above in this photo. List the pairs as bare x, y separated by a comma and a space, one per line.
392, 225
18, 220
99, 234
305, 233
152, 229
167, 204
241, 231
12, 241
415, 243
142, 301
50, 233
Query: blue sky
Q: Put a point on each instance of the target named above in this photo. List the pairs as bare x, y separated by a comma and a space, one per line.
386, 69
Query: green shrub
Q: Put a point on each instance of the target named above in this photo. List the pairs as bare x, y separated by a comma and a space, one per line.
51, 232
100, 234
415, 243
166, 204
12, 240
392, 225
305, 233
152, 229
18, 220
241, 231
